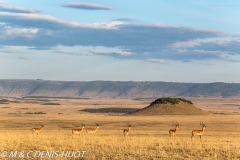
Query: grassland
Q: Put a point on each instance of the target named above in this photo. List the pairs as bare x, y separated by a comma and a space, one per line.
148, 138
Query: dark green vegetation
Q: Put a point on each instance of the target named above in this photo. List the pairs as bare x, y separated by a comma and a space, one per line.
35, 113
109, 110
5, 101
170, 100
50, 103
39, 97
114, 89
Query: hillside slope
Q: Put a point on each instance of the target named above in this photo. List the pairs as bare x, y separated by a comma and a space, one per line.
162, 107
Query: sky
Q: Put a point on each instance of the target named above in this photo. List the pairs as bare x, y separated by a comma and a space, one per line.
120, 40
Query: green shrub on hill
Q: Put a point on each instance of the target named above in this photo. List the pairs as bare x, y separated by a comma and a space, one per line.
166, 100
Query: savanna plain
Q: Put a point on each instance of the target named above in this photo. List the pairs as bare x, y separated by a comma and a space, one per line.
147, 139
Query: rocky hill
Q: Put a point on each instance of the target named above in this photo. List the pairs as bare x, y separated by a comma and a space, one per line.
115, 89
169, 106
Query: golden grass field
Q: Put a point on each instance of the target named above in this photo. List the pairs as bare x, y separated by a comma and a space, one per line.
148, 137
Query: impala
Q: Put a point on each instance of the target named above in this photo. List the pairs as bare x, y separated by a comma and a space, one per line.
37, 130
78, 131
126, 131
172, 132
199, 132
93, 130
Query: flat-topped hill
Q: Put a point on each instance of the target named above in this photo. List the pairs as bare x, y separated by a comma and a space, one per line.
170, 106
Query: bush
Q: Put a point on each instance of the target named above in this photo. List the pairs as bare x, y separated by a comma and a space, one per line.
50, 103
4, 101
35, 113
109, 110
170, 100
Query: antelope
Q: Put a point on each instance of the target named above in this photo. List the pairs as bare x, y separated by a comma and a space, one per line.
78, 131
126, 131
93, 130
172, 132
199, 132
37, 129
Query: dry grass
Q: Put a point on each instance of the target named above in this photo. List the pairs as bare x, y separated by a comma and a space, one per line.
132, 147
148, 138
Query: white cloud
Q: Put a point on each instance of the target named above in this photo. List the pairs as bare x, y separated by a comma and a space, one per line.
47, 21
34, 20
162, 61
25, 32
105, 25
191, 43
87, 6
91, 50
14, 49
9, 8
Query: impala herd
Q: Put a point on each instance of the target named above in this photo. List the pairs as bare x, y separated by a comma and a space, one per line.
172, 132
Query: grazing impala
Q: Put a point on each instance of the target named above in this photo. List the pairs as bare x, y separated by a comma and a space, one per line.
93, 130
78, 131
199, 132
126, 131
172, 132
37, 130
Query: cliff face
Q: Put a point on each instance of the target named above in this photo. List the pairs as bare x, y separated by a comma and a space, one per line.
115, 89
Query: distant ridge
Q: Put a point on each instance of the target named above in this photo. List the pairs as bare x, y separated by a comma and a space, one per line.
115, 89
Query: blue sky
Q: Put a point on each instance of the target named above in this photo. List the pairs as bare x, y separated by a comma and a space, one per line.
120, 40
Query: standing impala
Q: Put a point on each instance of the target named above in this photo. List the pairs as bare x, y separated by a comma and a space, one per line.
172, 132
37, 130
126, 131
199, 132
93, 130
78, 131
